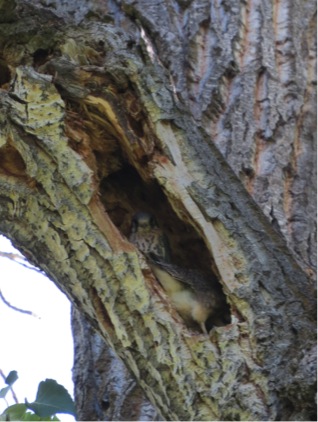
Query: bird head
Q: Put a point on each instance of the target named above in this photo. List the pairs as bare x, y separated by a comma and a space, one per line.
143, 222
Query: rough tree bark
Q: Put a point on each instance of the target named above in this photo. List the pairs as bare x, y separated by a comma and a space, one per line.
192, 110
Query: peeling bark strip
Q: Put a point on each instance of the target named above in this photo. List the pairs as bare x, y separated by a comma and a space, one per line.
92, 131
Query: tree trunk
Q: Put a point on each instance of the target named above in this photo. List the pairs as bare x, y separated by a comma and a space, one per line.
202, 113
104, 388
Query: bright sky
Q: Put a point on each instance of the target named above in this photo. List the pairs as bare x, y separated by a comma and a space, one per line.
38, 348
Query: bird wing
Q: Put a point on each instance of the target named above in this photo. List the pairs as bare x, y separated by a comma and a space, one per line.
195, 279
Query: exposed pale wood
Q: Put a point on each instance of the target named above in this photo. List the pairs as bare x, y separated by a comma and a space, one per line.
97, 129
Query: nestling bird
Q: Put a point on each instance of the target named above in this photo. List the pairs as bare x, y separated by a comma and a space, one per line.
194, 295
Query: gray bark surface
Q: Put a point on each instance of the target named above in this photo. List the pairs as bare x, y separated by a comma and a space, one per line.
202, 113
102, 380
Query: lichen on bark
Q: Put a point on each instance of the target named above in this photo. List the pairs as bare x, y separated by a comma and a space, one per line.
93, 130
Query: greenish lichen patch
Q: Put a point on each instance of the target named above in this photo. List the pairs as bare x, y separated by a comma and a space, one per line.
42, 115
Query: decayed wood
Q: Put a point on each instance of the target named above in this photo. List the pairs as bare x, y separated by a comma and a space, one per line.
81, 137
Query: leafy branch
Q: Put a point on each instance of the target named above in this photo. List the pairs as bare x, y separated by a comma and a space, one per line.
51, 398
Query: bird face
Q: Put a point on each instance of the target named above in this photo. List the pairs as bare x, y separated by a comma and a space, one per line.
143, 222
148, 237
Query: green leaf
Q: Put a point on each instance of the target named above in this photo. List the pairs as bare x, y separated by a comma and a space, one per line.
18, 412
33, 417
11, 378
4, 391
15, 412
51, 398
